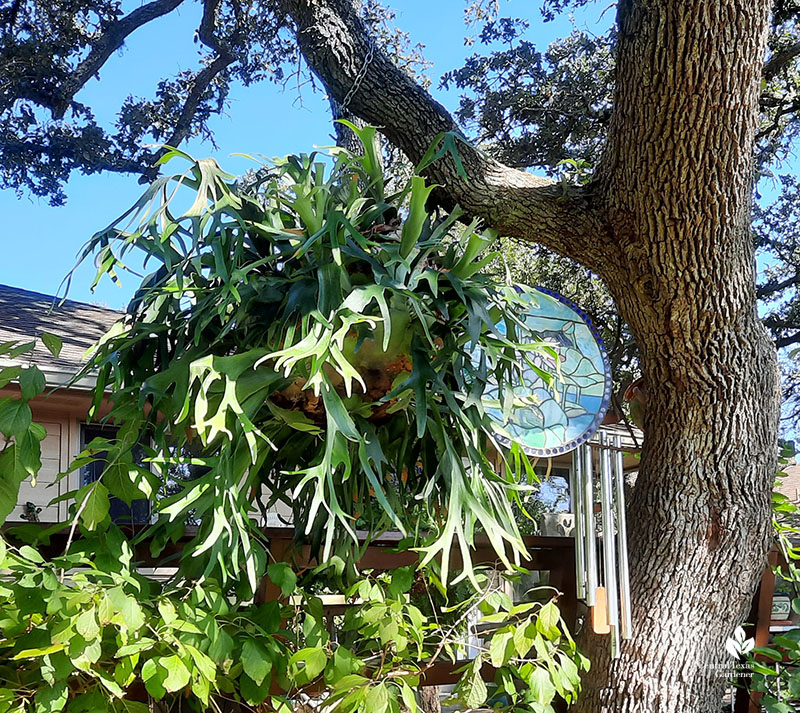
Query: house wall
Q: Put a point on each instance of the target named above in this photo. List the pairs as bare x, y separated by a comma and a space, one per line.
61, 413
55, 457
790, 482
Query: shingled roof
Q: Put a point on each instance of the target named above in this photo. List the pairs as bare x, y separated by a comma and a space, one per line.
24, 315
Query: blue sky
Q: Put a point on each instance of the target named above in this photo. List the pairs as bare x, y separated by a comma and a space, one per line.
41, 241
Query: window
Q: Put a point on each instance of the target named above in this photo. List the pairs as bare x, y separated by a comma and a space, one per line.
180, 473
553, 491
138, 512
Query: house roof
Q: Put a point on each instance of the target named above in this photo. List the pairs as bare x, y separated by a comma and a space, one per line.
24, 315
631, 437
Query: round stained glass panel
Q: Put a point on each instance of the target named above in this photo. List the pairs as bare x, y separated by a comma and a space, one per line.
549, 419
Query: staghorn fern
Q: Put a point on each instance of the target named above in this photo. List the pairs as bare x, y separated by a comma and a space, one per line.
313, 340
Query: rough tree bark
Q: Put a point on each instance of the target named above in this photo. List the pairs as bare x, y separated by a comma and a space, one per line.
677, 185
429, 700
666, 225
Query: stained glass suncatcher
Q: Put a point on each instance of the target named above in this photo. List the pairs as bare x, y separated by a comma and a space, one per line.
547, 420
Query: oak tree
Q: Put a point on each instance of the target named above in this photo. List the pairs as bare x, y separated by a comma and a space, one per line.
548, 108
665, 222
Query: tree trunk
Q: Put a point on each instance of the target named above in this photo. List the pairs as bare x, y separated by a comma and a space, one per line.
666, 224
700, 512
699, 530
429, 701
345, 137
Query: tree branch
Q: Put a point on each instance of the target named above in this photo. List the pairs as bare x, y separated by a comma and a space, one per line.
201, 84
205, 32
779, 326
362, 79
204, 78
774, 286
779, 60
787, 341
91, 163
106, 44
785, 110
109, 41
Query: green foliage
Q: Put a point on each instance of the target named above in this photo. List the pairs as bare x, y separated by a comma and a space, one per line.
535, 658
774, 682
86, 632
83, 628
312, 339
20, 455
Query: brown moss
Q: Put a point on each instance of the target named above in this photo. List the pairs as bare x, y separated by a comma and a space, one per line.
378, 382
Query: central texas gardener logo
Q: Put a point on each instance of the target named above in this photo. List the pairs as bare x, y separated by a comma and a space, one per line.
738, 645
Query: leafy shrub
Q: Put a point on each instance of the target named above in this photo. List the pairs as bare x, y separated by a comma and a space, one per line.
781, 685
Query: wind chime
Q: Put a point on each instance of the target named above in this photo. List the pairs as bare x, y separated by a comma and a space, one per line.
562, 415
603, 580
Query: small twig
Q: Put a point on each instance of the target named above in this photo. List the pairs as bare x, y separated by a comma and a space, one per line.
452, 629
72, 530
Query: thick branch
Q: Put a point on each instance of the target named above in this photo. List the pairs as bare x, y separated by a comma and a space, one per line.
208, 23
204, 78
106, 44
89, 162
779, 328
775, 124
775, 286
201, 84
788, 341
362, 79
779, 60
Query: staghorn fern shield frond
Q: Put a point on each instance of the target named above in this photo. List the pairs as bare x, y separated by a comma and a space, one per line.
308, 338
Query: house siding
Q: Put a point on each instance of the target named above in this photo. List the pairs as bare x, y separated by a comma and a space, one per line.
61, 413
55, 459
790, 482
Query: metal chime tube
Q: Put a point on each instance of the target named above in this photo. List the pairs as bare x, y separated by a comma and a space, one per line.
576, 495
609, 543
589, 531
622, 544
